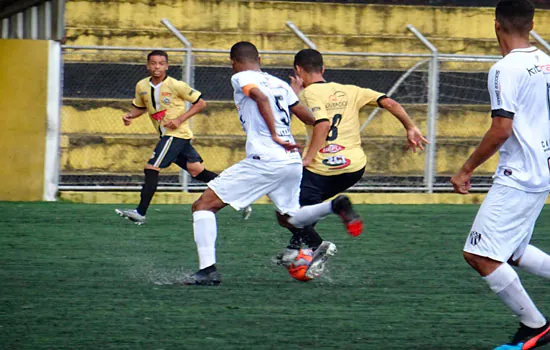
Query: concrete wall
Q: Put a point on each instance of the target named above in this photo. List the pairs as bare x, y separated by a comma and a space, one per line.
24, 83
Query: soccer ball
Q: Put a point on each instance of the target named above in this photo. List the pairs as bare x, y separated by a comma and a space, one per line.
298, 267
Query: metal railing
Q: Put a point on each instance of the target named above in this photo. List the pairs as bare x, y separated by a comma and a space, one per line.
434, 87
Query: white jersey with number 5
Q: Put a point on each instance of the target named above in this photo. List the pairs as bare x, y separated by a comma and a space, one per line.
259, 144
519, 86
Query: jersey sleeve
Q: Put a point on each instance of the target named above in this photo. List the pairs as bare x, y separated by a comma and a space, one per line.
502, 85
291, 97
315, 104
187, 93
244, 82
138, 100
368, 97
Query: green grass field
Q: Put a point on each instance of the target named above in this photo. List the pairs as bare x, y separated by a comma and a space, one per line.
78, 276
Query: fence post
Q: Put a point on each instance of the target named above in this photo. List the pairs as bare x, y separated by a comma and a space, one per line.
301, 35
433, 92
540, 40
188, 78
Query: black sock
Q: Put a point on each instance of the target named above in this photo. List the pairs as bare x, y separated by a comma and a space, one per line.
206, 176
311, 237
148, 190
297, 238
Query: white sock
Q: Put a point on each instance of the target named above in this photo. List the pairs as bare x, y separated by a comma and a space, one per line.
535, 261
205, 231
504, 281
310, 214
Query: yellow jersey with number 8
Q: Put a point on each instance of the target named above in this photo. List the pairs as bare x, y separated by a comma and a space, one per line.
338, 104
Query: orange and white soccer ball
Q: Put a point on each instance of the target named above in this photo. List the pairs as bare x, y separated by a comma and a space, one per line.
299, 267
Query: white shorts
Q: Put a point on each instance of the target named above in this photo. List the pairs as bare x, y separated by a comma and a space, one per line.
250, 179
504, 223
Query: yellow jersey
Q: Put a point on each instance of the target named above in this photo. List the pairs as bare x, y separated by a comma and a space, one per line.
166, 101
338, 104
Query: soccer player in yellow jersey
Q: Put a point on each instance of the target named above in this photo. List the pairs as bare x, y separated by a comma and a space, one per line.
163, 98
334, 159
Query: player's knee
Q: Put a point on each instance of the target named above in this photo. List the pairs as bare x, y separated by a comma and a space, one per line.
195, 169
471, 259
282, 220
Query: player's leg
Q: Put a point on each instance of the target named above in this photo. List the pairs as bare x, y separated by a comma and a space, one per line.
285, 196
164, 154
534, 261
316, 189
502, 230
237, 186
191, 161
205, 231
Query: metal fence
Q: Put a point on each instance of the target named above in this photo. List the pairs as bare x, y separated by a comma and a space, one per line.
445, 94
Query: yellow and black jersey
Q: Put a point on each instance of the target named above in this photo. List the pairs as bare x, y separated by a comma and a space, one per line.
166, 101
338, 104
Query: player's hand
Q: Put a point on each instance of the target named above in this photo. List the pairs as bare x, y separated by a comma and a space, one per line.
289, 146
172, 123
415, 139
127, 119
461, 182
297, 84
306, 162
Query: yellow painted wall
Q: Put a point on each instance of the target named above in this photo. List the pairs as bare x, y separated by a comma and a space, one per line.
332, 26
23, 81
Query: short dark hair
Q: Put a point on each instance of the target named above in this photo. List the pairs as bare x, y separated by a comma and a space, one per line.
515, 16
244, 51
310, 60
157, 53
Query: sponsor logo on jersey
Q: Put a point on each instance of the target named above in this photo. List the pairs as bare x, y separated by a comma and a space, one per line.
143, 93
336, 162
534, 70
166, 94
315, 109
475, 237
332, 148
337, 100
159, 115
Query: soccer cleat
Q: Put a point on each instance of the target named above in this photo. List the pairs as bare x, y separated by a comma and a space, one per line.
342, 206
287, 257
131, 215
320, 257
205, 277
246, 212
528, 338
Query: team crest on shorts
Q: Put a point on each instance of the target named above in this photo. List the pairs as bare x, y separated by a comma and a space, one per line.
153, 156
475, 237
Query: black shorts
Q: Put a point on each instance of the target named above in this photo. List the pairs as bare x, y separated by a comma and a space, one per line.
172, 149
317, 188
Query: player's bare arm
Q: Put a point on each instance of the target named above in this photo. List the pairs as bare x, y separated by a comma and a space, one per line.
303, 113
196, 108
133, 114
414, 135
498, 133
267, 114
318, 139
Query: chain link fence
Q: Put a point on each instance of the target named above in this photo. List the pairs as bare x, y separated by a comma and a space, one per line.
99, 152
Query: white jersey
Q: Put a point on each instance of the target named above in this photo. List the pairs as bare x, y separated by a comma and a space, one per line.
519, 86
259, 144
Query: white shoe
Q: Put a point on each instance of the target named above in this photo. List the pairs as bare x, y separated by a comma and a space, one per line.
320, 257
246, 212
132, 215
287, 257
